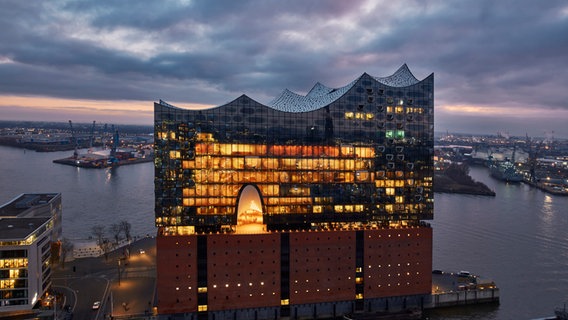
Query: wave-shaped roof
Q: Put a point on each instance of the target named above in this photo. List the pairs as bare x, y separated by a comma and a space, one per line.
401, 78
321, 96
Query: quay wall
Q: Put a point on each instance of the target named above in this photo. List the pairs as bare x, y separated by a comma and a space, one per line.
464, 297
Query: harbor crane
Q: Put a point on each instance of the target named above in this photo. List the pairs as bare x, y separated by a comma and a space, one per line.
534, 152
75, 152
92, 137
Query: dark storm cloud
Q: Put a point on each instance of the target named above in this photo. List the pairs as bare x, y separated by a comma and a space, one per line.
499, 53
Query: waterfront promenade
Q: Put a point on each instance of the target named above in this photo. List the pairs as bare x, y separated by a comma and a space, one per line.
124, 285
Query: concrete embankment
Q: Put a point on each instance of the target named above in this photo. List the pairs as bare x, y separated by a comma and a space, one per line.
463, 288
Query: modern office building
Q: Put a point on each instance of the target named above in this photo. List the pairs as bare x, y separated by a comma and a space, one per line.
29, 226
309, 206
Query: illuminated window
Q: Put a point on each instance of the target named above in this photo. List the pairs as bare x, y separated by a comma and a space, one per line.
349, 115
389, 134
202, 307
202, 289
285, 302
359, 296
389, 191
399, 134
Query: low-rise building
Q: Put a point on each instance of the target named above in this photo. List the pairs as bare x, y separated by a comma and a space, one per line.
30, 228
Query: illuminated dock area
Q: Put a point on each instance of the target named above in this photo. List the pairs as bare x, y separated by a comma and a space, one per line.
461, 288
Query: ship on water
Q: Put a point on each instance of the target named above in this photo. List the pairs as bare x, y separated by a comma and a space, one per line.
505, 171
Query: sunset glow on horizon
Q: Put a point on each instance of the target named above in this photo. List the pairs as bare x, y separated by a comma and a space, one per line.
495, 68
57, 109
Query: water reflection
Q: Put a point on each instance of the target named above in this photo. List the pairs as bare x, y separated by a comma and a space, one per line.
547, 209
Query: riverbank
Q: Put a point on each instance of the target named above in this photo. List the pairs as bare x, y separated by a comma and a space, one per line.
100, 162
445, 184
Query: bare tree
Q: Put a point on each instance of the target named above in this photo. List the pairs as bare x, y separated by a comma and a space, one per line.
99, 233
66, 248
116, 230
126, 228
106, 246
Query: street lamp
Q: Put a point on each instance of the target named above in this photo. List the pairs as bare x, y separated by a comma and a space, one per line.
119, 272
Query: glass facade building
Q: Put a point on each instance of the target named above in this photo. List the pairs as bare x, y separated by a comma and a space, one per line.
358, 157
358, 154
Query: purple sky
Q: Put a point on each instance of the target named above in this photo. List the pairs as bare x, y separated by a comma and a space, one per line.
498, 65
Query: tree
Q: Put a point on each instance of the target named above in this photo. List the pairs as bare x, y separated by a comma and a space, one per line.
99, 233
116, 230
66, 248
106, 246
126, 228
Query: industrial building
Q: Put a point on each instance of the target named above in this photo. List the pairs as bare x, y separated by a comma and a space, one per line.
309, 206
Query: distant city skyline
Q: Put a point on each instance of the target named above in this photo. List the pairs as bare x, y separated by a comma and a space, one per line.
499, 66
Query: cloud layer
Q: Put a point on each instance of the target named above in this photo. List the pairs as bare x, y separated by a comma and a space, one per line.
500, 57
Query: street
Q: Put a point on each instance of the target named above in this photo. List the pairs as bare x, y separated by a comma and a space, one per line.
124, 285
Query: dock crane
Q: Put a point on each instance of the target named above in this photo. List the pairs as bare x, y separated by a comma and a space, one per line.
92, 137
115, 145
75, 152
534, 152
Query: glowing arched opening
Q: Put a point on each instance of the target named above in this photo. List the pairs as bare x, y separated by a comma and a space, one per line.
249, 211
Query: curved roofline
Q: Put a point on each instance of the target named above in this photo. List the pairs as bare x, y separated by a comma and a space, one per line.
320, 95
402, 77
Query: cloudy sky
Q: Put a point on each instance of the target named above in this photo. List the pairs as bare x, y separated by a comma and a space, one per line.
499, 66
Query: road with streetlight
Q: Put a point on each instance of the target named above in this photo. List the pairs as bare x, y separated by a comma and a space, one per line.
112, 281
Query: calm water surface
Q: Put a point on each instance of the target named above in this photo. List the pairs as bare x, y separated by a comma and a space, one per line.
518, 238
89, 196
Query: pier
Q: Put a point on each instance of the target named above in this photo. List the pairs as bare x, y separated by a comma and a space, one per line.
462, 288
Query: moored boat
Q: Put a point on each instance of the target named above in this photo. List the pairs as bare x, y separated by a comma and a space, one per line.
505, 171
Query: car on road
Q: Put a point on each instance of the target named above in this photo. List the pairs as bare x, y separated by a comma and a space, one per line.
96, 305
142, 251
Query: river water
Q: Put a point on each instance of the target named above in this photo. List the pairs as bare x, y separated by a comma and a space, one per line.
88, 196
518, 238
